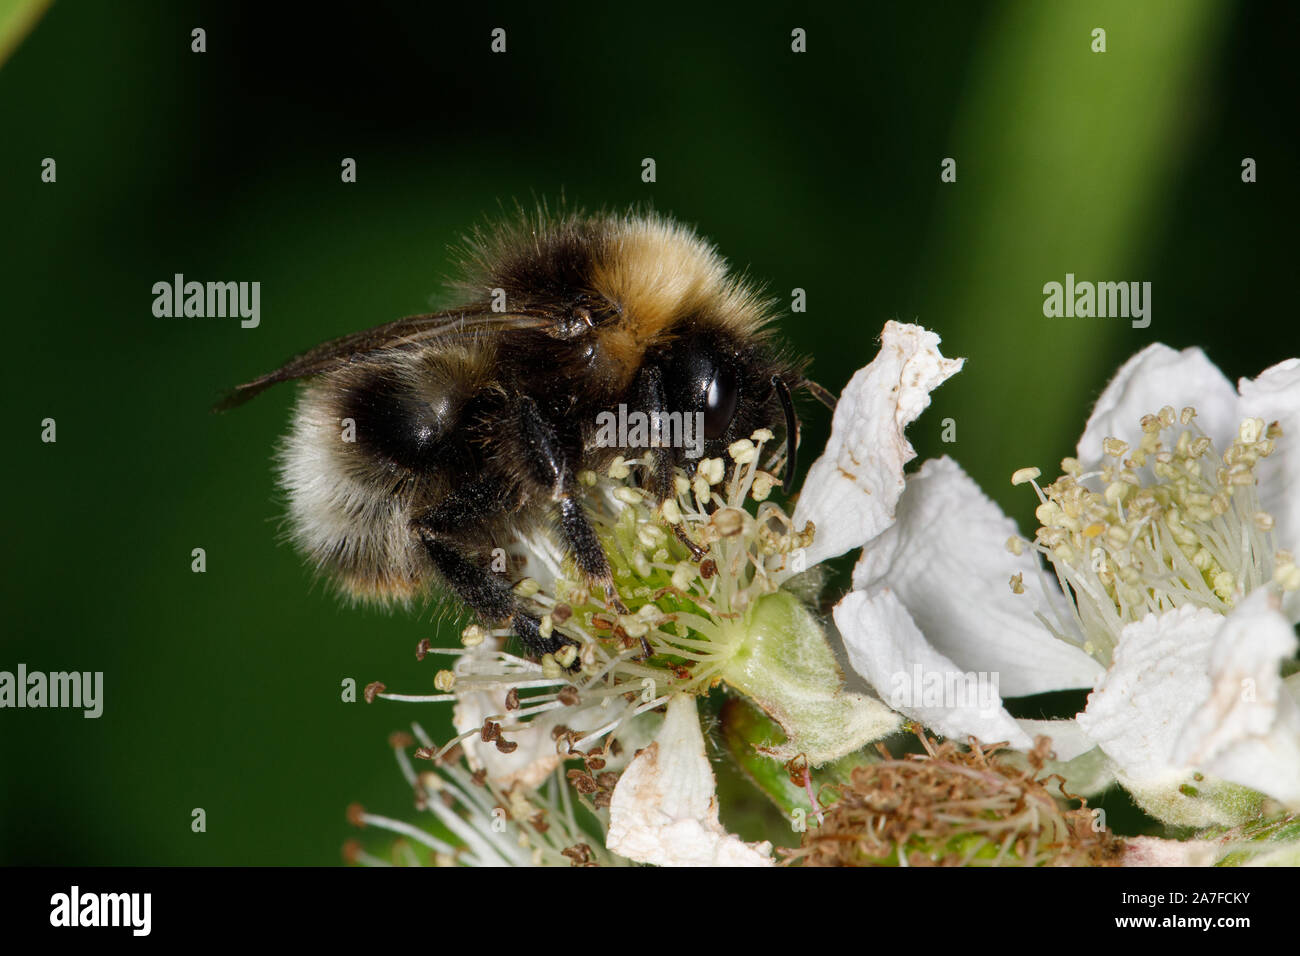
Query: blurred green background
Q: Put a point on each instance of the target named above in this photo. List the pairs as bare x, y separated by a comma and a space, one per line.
819, 171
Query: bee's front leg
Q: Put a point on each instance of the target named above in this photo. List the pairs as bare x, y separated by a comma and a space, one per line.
651, 398
550, 466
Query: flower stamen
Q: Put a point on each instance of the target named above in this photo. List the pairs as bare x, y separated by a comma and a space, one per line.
1160, 526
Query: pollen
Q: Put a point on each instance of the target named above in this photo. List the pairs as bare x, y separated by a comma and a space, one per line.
1286, 574
742, 451
1023, 475
713, 470
672, 514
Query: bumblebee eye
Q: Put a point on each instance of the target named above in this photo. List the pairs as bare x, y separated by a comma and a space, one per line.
719, 402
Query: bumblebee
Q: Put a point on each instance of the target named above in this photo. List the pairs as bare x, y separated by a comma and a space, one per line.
420, 446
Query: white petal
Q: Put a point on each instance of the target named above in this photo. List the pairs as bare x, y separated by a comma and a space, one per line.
1157, 681
1269, 763
1275, 397
852, 488
1155, 377
887, 649
1175, 700
543, 558
664, 809
946, 559
1248, 729
1068, 739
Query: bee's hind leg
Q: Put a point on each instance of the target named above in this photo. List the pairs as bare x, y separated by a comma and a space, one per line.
490, 596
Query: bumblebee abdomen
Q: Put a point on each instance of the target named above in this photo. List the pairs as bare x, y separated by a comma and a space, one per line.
349, 516
407, 426
371, 445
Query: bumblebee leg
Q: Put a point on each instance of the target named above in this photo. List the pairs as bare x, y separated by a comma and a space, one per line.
650, 398
490, 596
650, 390
550, 468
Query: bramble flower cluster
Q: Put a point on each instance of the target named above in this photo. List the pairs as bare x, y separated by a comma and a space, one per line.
1171, 597
698, 575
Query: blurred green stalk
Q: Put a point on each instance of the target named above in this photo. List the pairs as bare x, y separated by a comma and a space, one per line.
1064, 160
17, 17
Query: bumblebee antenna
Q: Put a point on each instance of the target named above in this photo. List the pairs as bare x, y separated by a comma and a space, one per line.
823, 395
791, 431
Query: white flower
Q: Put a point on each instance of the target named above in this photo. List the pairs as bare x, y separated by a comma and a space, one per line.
722, 620
665, 809
1180, 608
479, 824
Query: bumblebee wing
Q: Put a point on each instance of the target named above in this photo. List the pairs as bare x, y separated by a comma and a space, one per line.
410, 331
